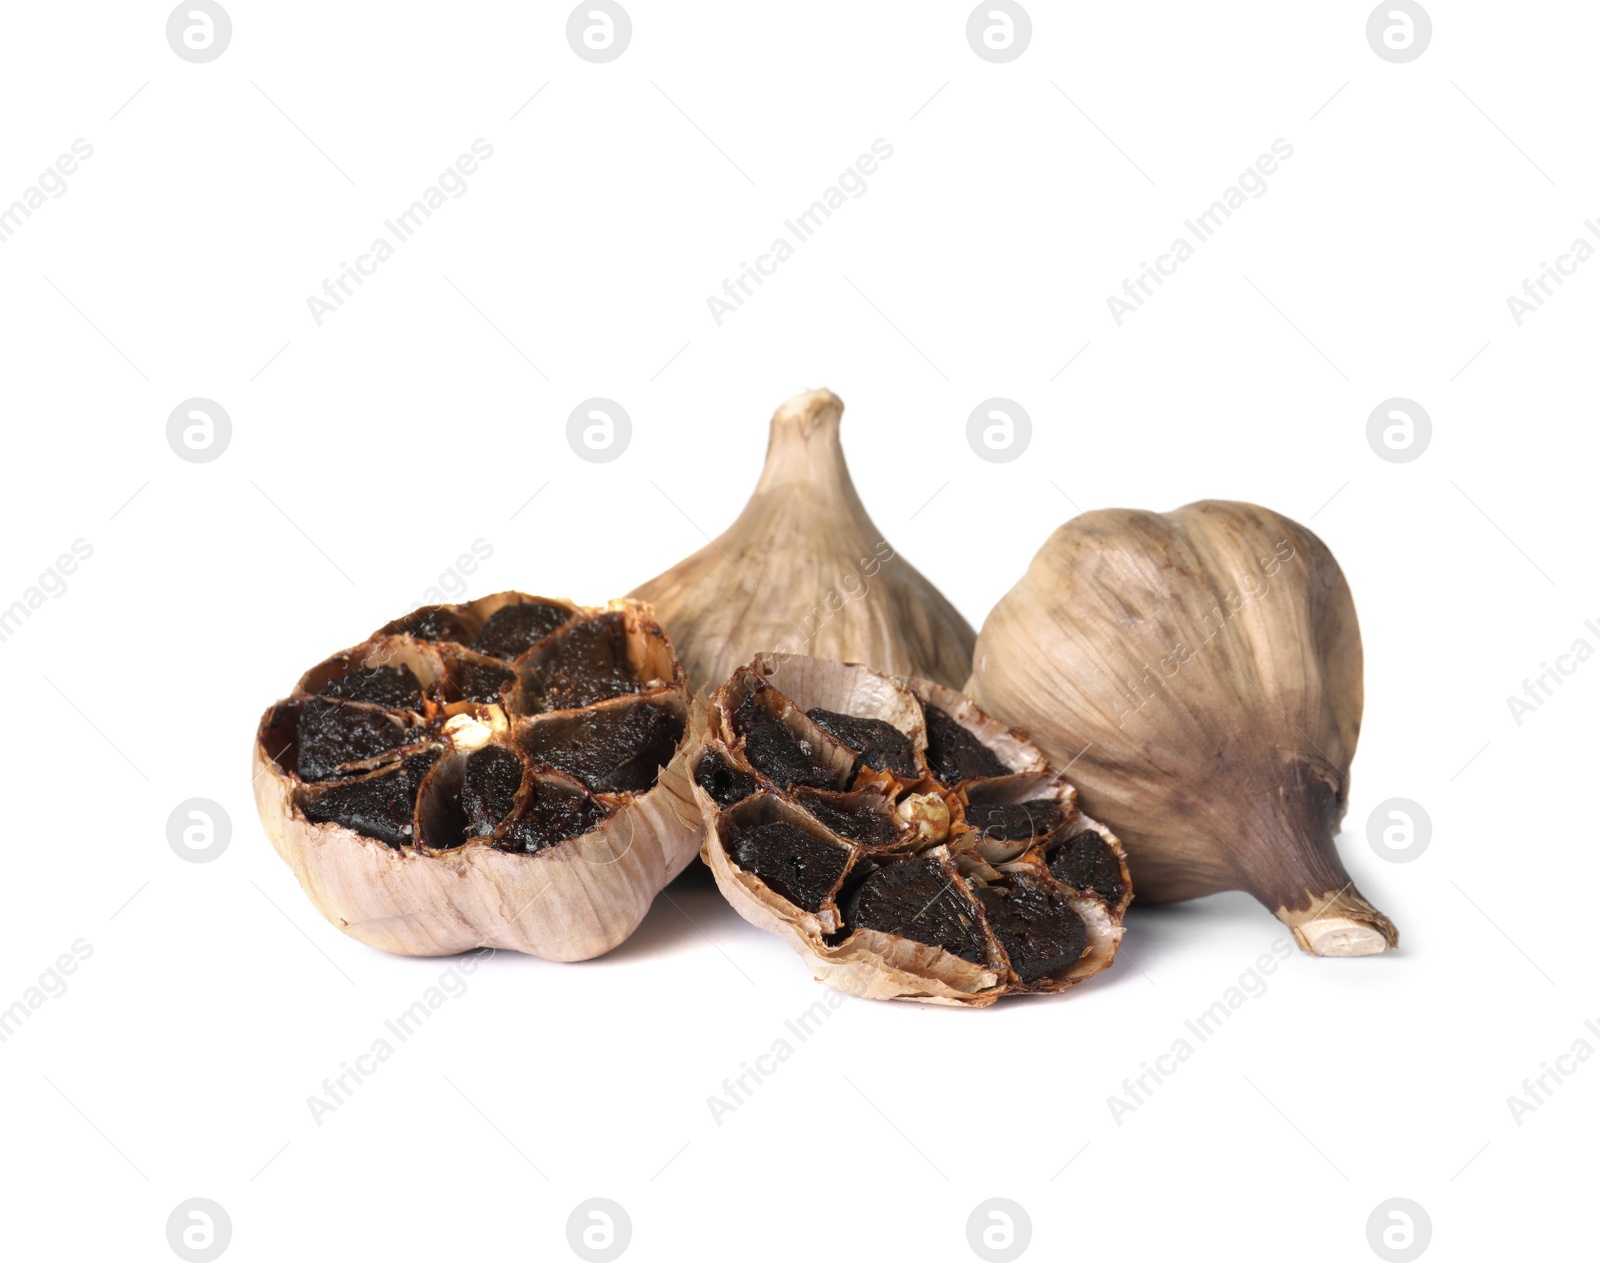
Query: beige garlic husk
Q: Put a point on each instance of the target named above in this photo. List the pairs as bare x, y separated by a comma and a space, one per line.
803, 570
1200, 673
381, 802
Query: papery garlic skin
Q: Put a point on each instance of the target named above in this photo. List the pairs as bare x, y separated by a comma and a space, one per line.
1200, 673
574, 900
803, 570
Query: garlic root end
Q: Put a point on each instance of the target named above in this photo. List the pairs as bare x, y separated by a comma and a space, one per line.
1340, 923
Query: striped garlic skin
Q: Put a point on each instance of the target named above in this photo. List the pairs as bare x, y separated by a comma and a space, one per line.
803, 570
1200, 672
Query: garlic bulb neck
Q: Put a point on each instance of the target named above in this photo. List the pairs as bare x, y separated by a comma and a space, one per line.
1286, 858
803, 569
804, 453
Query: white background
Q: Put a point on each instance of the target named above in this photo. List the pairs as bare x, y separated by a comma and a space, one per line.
369, 452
